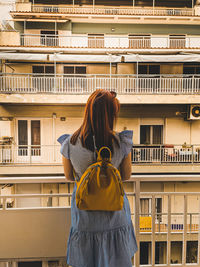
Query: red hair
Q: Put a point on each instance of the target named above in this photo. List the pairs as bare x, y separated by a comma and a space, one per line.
100, 114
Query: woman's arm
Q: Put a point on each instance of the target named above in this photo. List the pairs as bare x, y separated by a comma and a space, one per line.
68, 169
125, 167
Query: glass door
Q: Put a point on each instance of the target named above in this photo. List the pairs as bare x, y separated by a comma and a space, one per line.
29, 141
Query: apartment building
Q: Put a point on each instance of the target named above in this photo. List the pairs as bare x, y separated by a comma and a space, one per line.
53, 56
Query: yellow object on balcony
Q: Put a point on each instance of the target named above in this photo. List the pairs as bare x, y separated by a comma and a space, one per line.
145, 223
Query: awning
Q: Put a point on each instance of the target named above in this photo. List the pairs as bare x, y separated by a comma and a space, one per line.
23, 56
162, 58
85, 58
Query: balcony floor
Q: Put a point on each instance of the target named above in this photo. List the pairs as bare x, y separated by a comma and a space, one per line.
70, 99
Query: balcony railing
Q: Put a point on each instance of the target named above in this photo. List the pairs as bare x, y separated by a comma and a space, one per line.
50, 154
114, 11
166, 154
12, 154
86, 84
167, 226
111, 42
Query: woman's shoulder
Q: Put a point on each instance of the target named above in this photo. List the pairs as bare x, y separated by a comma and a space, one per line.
126, 141
63, 138
126, 134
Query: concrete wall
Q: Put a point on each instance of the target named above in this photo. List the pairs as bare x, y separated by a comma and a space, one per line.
9, 38
175, 129
101, 68
34, 233
134, 28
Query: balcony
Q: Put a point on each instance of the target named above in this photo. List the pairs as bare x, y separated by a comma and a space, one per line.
102, 14
129, 43
174, 230
102, 10
141, 154
163, 84
47, 159
166, 154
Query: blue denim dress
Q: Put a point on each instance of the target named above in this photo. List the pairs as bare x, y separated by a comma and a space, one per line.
99, 238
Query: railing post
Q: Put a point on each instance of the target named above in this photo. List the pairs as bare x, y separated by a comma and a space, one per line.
4, 203
193, 84
137, 221
198, 252
192, 154
153, 231
169, 231
29, 84
184, 231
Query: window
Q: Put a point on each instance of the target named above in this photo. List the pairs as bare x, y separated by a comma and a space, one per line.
148, 69
177, 41
29, 136
191, 69
145, 208
160, 252
151, 134
74, 69
22, 137
43, 69
49, 38
96, 40
139, 41
30, 264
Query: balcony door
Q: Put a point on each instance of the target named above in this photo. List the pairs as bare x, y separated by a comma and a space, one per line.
152, 137
74, 78
177, 41
139, 41
49, 38
96, 40
149, 77
29, 140
43, 78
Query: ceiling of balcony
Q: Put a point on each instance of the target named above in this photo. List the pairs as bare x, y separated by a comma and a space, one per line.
165, 3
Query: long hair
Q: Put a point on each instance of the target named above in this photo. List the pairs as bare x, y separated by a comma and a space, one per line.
100, 114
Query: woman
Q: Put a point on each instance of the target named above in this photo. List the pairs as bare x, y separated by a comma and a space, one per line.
99, 238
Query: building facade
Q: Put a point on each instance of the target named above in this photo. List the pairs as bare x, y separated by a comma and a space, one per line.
53, 56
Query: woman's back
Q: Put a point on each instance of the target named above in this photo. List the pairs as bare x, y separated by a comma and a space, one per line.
81, 158
99, 238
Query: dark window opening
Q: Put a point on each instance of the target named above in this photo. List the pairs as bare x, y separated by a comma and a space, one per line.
22, 137
145, 253
151, 134
160, 252
30, 264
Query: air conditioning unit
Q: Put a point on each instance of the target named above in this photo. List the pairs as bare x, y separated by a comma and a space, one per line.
194, 112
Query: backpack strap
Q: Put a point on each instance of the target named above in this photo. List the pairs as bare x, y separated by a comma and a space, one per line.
95, 148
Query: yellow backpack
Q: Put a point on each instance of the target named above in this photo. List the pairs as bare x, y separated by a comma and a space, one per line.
100, 187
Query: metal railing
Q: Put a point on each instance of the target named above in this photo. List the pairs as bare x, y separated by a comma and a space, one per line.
111, 42
166, 154
50, 154
44, 154
166, 227
86, 84
114, 11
